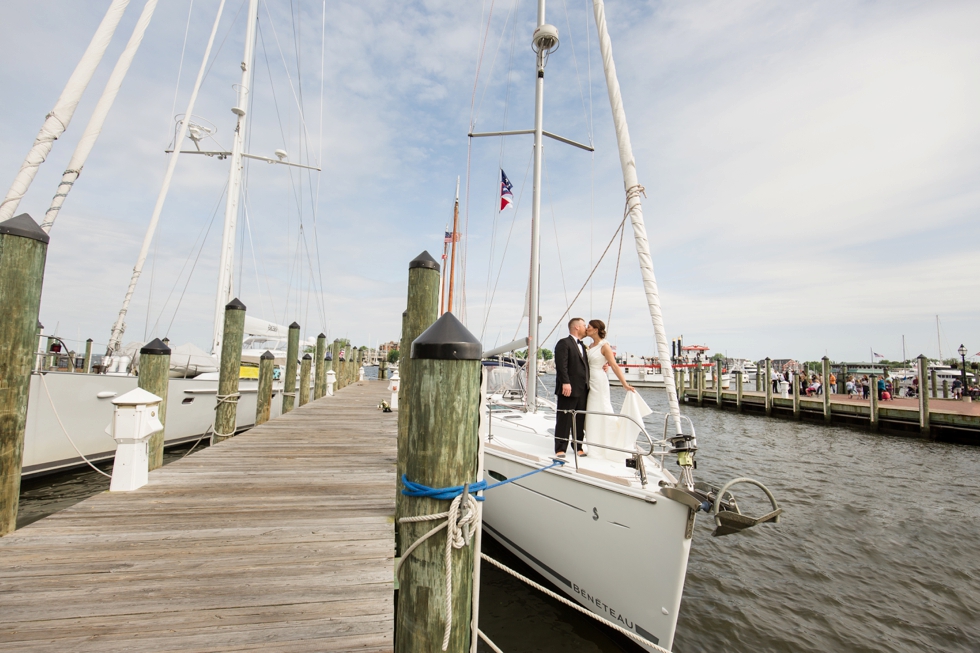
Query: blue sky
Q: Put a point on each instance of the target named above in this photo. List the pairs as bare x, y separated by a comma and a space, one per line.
811, 168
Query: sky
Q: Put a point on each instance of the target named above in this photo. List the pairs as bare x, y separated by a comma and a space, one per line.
811, 169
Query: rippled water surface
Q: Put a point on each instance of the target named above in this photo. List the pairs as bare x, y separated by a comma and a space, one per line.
878, 549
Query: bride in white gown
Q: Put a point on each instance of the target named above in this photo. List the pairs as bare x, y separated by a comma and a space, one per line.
600, 429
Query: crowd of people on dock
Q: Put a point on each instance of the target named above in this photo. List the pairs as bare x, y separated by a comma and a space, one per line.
860, 386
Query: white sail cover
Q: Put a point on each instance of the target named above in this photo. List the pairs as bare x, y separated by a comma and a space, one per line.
256, 327
95, 123
56, 122
634, 208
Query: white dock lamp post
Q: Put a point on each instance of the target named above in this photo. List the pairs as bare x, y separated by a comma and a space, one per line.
331, 382
135, 419
962, 353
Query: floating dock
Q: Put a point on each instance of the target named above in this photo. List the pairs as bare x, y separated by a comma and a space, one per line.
280, 538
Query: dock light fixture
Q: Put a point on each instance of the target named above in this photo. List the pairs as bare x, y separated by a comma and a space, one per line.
962, 352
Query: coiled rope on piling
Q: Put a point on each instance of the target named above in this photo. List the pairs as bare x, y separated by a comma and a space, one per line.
224, 399
461, 521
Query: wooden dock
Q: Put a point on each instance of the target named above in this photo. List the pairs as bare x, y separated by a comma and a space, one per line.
949, 420
279, 539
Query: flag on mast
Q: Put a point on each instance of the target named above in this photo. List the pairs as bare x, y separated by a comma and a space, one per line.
506, 191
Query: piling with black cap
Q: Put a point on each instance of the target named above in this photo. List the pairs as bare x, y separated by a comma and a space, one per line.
825, 388
873, 408
422, 309
154, 377
320, 380
442, 446
718, 383
289, 383
304, 379
226, 410
263, 403
768, 387
87, 360
23, 249
924, 395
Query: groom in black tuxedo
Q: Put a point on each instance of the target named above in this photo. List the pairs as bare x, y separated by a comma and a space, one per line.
571, 384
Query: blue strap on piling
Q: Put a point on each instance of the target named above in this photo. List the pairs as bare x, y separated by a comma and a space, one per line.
413, 489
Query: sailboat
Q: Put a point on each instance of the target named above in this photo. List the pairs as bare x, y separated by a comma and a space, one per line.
68, 412
612, 530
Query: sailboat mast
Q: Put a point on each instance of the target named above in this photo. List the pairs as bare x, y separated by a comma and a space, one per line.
939, 340
533, 295
227, 257
442, 273
452, 256
634, 208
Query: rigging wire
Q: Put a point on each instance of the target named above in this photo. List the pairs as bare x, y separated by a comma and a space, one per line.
231, 27
554, 222
193, 267
612, 296
596, 267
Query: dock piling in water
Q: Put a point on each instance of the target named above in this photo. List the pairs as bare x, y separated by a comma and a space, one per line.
924, 395
292, 358
320, 378
873, 409
155, 378
304, 379
825, 387
718, 383
226, 410
263, 402
768, 384
87, 360
421, 311
443, 442
23, 250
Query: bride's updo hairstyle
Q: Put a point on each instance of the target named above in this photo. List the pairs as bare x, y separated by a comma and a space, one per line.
599, 326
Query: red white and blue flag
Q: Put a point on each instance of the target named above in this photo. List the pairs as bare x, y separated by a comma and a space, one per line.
449, 237
506, 191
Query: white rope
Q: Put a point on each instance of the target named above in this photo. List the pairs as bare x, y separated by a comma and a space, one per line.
486, 639
571, 604
224, 399
65, 431
460, 520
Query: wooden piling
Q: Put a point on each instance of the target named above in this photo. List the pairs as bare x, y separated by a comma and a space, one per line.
320, 378
873, 410
154, 370
768, 382
796, 396
23, 249
945, 388
825, 388
443, 440
718, 383
304, 379
263, 402
699, 371
87, 360
924, 396
738, 390
933, 387
681, 388
758, 376
422, 310
292, 357
226, 410
842, 380
382, 370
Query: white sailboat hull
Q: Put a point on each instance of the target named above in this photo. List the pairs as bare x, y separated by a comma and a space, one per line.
620, 552
84, 405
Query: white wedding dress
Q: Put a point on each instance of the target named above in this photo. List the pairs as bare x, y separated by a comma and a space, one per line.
600, 429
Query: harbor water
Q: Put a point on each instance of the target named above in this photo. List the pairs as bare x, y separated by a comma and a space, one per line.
877, 549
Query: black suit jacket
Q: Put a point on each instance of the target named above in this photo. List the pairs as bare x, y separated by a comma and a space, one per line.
571, 367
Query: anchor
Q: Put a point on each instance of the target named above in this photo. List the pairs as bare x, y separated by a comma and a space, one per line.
729, 519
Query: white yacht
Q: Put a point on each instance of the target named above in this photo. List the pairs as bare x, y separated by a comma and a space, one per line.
613, 529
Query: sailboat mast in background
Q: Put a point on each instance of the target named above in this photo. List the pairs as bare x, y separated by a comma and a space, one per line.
452, 256
226, 262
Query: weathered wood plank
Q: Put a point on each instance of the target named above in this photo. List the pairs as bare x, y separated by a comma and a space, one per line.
278, 539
